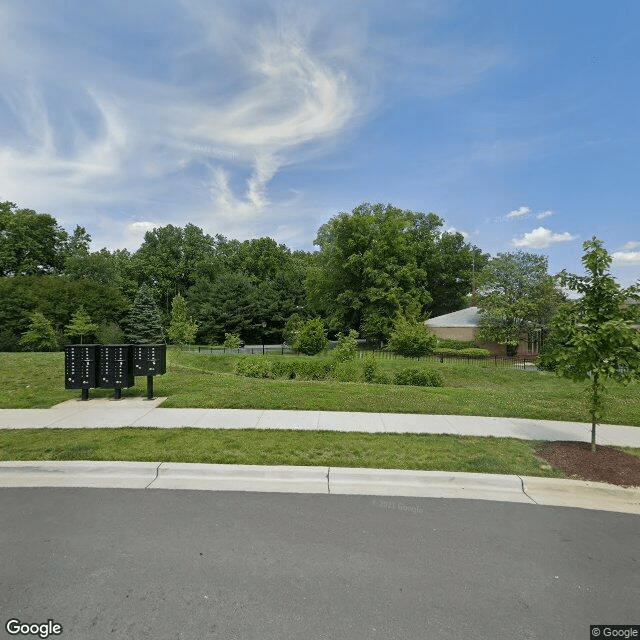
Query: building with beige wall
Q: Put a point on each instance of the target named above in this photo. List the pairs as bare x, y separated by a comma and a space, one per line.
463, 325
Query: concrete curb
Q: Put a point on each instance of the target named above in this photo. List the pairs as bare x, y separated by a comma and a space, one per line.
319, 480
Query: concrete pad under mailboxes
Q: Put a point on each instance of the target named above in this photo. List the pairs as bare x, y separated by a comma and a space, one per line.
427, 484
231, 477
347, 421
583, 494
120, 475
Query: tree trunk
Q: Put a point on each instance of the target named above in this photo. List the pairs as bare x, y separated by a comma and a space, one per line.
595, 400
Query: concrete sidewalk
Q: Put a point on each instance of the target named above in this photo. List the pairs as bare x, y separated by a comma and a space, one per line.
138, 412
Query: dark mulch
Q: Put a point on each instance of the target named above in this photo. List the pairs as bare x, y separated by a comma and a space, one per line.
606, 464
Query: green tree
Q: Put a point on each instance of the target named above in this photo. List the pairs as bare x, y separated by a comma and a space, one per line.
516, 295
182, 329
30, 242
231, 341
411, 338
143, 325
312, 337
291, 328
347, 347
109, 333
80, 325
378, 261
594, 336
41, 335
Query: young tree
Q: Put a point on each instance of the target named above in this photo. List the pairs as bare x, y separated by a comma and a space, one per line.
594, 336
80, 325
143, 324
411, 338
347, 347
516, 295
41, 335
231, 341
183, 328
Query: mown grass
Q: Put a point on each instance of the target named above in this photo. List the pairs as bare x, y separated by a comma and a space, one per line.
287, 447
195, 380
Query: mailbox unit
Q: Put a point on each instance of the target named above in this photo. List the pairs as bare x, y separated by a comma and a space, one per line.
149, 359
115, 366
80, 366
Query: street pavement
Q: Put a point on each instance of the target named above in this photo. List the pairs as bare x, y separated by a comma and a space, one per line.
138, 412
133, 564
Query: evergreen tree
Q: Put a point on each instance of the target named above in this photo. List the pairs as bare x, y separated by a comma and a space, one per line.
41, 335
143, 325
183, 328
80, 325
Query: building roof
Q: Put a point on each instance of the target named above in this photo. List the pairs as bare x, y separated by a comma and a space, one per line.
469, 317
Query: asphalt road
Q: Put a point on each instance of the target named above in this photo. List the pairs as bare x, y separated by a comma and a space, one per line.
136, 564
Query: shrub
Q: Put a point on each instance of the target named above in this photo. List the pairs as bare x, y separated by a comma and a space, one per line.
469, 352
253, 367
231, 341
451, 343
411, 339
419, 377
371, 371
347, 347
348, 371
311, 338
303, 368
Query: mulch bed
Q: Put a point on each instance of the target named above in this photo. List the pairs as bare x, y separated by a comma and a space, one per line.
606, 464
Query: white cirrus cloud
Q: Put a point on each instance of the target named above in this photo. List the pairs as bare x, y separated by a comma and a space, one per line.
543, 215
541, 238
521, 212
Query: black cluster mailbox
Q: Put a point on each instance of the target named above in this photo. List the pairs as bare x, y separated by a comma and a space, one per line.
115, 366
149, 360
112, 366
80, 367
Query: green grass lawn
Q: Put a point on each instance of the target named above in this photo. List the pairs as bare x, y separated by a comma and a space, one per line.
287, 447
195, 380
30, 380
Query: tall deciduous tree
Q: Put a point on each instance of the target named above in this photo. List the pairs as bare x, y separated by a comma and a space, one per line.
516, 295
143, 325
595, 338
30, 242
378, 261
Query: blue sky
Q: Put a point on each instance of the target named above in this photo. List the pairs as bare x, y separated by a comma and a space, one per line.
517, 122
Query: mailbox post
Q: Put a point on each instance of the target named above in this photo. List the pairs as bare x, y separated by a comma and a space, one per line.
115, 368
149, 360
81, 367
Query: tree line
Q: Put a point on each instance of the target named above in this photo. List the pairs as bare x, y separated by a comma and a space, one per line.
372, 265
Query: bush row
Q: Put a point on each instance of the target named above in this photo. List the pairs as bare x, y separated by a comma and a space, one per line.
365, 370
470, 352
